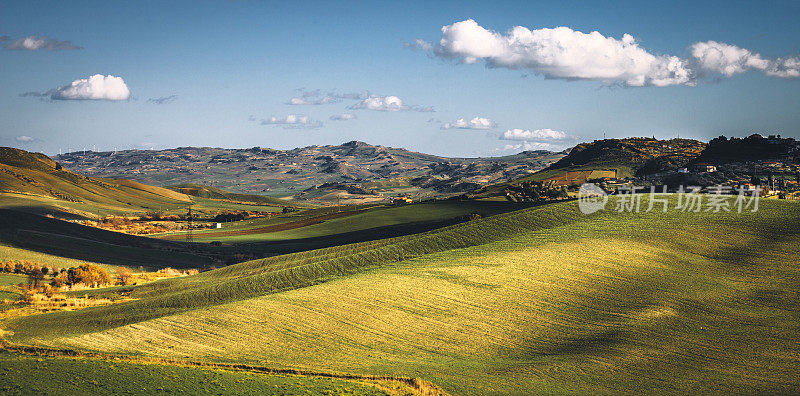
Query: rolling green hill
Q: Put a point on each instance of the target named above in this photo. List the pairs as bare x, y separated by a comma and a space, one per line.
62, 243
614, 157
628, 156
539, 300
35, 183
337, 223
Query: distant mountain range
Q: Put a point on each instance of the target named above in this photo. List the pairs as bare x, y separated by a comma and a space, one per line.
357, 172
351, 170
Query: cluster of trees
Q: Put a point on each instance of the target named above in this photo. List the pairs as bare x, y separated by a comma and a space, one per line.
230, 216
86, 274
536, 191
25, 267
116, 221
753, 147
132, 226
36, 272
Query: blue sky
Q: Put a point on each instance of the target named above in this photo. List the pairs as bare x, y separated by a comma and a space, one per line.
232, 64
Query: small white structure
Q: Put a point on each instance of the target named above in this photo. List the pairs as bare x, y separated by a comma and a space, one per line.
218, 225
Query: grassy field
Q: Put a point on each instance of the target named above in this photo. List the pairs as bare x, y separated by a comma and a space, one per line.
373, 217
28, 236
540, 300
25, 375
16, 254
32, 179
12, 279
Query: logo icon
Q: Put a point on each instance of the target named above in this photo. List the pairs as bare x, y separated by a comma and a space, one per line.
591, 198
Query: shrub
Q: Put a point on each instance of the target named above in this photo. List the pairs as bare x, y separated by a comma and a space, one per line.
59, 280
124, 277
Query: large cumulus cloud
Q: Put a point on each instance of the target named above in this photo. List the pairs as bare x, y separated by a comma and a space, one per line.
564, 53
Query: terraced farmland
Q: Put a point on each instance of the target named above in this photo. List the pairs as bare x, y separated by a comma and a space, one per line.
539, 300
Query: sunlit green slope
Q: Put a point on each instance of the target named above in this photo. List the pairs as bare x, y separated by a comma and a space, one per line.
539, 300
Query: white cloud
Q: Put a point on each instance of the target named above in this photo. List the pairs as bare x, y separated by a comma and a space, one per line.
784, 68
34, 43
352, 95
388, 103
381, 103
726, 59
96, 87
535, 135
25, 139
530, 146
475, 123
563, 53
319, 97
313, 101
539, 139
293, 121
343, 117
